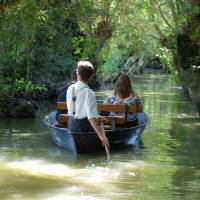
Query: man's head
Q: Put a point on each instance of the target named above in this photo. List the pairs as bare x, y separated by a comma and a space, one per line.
84, 70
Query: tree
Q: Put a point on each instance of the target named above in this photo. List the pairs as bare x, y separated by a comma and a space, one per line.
182, 39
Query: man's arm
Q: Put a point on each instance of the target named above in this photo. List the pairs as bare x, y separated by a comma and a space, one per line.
98, 130
92, 117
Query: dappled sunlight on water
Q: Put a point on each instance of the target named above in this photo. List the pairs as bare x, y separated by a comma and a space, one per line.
92, 182
158, 93
38, 168
89, 174
170, 101
186, 116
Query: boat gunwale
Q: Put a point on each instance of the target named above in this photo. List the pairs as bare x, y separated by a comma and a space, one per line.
93, 132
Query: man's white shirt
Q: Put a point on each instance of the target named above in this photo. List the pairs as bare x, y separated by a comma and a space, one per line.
85, 103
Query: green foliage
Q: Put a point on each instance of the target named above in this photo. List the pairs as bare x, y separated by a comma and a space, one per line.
35, 41
42, 40
53, 50
26, 86
77, 43
19, 25
149, 28
115, 54
3, 98
3, 87
90, 49
166, 58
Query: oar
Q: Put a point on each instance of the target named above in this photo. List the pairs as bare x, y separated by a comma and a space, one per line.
106, 148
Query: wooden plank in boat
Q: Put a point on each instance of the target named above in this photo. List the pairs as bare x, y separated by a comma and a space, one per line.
62, 118
108, 107
111, 108
118, 120
61, 105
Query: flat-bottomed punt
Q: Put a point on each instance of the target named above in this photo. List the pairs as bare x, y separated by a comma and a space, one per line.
116, 130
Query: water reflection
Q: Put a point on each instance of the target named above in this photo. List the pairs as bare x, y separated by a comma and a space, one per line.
186, 182
167, 166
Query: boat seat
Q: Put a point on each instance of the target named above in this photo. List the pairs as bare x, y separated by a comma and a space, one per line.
112, 120
62, 106
108, 107
119, 120
62, 118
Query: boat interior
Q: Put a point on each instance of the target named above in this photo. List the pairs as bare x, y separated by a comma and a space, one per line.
110, 122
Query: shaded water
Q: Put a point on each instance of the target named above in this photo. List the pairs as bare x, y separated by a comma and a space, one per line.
168, 167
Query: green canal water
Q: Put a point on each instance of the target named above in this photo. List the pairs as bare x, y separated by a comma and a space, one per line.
167, 167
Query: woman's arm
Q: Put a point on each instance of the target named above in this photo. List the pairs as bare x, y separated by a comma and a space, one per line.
139, 105
136, 101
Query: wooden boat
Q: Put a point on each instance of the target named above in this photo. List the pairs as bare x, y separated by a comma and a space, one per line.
85, 142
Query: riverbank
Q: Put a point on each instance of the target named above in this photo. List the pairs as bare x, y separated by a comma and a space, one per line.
26, 105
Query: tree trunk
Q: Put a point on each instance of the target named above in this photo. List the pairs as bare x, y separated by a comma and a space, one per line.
188, 60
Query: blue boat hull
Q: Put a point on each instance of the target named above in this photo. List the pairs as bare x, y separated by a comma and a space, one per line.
85, 142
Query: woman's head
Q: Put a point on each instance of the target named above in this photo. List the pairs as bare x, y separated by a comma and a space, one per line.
123, 88
73, 76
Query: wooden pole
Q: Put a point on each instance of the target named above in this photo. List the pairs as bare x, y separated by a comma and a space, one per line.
106, 148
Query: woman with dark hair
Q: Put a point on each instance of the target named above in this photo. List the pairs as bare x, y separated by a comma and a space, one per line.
123, 88
124, 94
